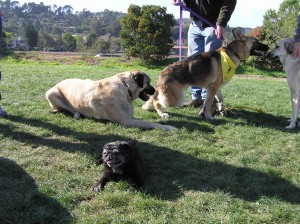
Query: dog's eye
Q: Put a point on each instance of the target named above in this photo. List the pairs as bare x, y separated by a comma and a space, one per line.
117, 152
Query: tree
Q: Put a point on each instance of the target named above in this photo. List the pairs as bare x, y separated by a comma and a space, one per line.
91, 39
31, 36
115, 45
80, 43
46, 42
276, 25
281, 24
146, 33
69, 41
6, 39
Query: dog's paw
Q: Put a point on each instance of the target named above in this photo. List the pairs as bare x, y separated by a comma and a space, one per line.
223, 112
213, 119
292, 125
165, 115
169, 128
210, 118
77, 115
97, 189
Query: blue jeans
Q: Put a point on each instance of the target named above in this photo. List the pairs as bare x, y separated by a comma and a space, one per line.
201, 40
0, 32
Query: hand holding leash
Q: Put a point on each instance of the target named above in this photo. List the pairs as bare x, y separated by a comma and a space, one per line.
296, 52
220, 31
176, 2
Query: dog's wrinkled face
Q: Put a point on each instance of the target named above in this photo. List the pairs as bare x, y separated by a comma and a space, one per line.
282, 49
143, 82
115, 154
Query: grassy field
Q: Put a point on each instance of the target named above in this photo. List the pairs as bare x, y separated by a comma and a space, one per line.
243, 168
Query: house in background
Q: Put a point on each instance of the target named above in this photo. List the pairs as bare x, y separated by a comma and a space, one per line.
17, 43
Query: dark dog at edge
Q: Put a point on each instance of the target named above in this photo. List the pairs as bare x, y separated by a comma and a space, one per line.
122, 161
203, 70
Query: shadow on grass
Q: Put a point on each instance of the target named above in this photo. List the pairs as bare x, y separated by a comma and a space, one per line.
21, 202
245, 117
261, 119
170, 172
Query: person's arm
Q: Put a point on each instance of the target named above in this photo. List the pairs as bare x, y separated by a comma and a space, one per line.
296, 52
224, 16
1, 14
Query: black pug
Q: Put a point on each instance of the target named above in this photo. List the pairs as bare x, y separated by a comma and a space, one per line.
122, 161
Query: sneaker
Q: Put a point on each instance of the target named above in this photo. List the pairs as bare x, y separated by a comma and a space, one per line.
195, 103
3, 113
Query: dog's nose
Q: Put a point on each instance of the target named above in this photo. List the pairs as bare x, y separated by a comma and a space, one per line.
269, 55
265, 54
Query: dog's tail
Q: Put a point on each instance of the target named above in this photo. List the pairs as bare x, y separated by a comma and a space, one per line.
148, 105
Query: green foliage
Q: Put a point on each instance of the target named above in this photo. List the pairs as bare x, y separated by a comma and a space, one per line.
70, 41
91, 39
277, 25
5, 38
31, 36
146, 33
46, 42
51, 19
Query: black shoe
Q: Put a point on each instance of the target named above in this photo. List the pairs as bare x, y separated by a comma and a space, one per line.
195, 103
213, 110
3, 113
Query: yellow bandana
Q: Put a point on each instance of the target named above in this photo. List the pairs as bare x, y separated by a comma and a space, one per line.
228, 66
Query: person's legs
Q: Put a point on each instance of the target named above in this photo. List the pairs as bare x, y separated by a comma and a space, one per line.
0, 31
212, 43
195, 46
2, 112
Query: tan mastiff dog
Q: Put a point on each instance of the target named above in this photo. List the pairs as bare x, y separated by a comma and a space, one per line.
106, 99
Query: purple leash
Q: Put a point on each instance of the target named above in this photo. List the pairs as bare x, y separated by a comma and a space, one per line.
183, 7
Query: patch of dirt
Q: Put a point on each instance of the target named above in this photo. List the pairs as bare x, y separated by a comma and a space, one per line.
259, 77
90, 59
60, 57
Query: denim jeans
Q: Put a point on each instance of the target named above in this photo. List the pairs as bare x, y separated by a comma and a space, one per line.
201, 40
0, 32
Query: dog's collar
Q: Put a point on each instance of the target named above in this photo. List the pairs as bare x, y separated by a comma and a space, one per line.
227, 48
234, 53
128, 89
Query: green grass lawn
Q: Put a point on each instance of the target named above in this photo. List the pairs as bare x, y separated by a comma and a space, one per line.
243, 168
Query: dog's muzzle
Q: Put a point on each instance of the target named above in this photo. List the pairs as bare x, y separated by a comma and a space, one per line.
271, 54
259, 49
149, 90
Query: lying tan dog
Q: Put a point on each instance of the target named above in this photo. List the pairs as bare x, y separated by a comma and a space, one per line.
203, 70
106, 99
284, 50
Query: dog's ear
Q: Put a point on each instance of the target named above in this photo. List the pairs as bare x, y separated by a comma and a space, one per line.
139, 78
131, 144
238, 35
99, 161
289, 46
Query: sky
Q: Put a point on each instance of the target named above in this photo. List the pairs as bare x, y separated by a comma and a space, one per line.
247, 13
